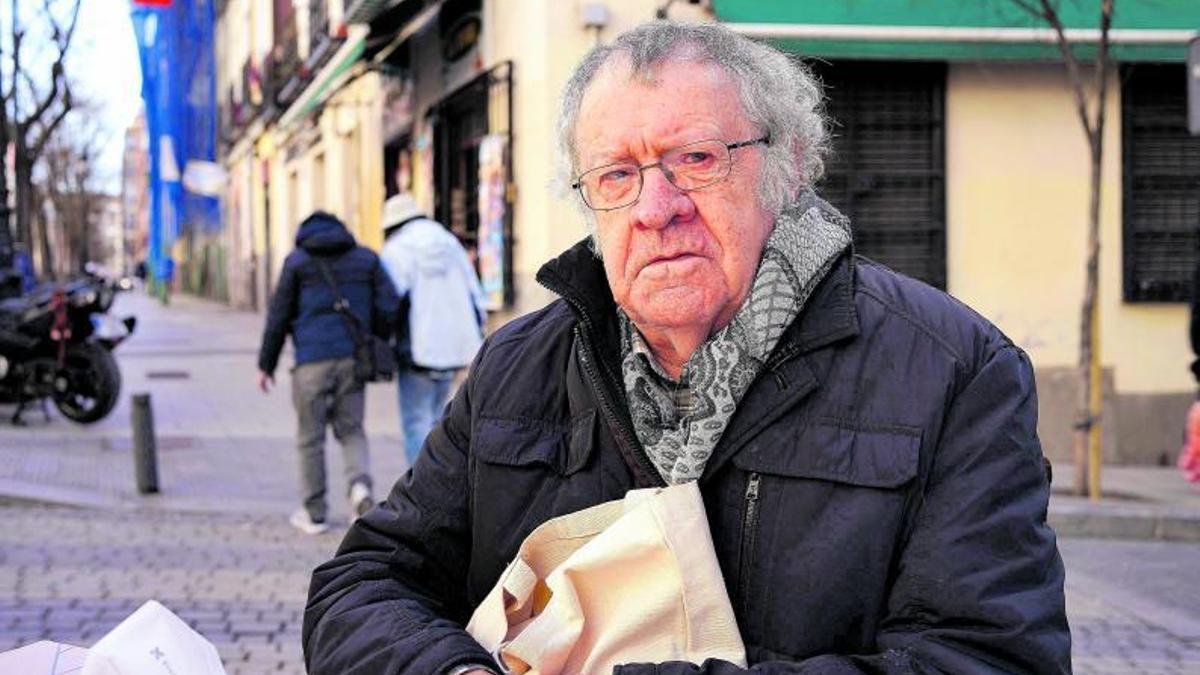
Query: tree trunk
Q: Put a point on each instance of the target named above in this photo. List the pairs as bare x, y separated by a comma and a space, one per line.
36, 238
1086, 444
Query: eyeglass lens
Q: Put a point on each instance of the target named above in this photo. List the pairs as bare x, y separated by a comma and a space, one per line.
688, 167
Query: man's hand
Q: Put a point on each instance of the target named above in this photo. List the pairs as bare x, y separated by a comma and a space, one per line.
265, 382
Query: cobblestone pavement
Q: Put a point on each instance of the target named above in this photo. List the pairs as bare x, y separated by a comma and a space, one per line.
1134, 606
71, 575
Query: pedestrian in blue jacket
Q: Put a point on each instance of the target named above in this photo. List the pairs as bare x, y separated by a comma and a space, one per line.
325, 391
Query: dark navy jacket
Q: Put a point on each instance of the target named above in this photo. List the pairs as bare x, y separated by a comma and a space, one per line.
303, 302
877, 502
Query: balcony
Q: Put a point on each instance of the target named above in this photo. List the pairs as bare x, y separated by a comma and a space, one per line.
363, 11
252, 89
285, 72
321, 42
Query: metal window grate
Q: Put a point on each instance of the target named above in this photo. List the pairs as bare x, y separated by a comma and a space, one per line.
887, 169
1161, 184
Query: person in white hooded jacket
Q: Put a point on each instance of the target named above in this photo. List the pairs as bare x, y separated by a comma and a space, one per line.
441, 318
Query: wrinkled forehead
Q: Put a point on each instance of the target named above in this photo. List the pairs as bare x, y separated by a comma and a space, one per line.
668, 93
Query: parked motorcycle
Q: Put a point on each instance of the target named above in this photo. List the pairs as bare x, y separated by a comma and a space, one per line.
56, 343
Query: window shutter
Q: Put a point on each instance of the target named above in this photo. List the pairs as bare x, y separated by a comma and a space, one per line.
887, 168
1161, 182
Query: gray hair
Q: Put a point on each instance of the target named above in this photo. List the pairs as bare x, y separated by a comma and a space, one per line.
779, 94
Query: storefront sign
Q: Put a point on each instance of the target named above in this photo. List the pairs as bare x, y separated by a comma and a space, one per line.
492, 211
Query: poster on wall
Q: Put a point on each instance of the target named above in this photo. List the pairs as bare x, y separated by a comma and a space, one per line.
492, 211
422, 178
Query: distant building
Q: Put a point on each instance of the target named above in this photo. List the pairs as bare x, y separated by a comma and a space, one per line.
135, 194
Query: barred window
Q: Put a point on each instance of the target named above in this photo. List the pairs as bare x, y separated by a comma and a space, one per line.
887, 169
1161, 184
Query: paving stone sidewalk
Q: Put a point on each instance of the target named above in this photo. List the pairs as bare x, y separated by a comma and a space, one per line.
71, 575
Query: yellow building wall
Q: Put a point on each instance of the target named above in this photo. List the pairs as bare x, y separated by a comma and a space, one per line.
545, 39
1017, 189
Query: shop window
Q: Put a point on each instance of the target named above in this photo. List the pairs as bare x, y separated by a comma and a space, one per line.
461, 125
1161, 184
470, 125
887, 168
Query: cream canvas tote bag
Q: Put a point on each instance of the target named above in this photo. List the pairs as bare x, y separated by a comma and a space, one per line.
629, 581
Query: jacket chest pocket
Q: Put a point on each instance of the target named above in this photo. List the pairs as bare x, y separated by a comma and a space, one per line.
523, 473
823, 507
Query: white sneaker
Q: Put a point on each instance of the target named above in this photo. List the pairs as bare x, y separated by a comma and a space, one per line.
304, 522
360, 499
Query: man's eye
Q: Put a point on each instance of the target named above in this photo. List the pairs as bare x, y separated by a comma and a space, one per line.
617, 175
696, 158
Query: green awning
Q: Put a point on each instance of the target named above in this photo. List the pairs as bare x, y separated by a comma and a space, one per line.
958, 30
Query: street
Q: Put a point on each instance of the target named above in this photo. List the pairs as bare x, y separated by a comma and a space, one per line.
72, 574
80, 549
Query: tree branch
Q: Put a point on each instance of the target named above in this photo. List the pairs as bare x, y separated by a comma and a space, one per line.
65, 42
1072, 63
56, 75
47, 131
1102, 67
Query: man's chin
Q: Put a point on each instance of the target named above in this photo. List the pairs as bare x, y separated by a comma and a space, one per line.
672, 309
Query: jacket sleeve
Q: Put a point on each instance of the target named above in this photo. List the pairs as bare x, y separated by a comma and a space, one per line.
393, 598
279, 318
386, 304
979, 584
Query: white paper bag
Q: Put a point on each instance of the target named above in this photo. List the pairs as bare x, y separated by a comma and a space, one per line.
153, 641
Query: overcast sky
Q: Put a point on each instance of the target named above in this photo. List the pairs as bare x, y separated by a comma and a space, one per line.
106, 69
102, 66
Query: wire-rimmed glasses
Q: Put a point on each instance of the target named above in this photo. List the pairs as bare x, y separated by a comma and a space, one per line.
691, 166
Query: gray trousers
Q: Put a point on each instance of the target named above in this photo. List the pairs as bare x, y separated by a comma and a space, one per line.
326, 393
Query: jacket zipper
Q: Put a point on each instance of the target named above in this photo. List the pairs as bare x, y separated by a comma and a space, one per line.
607, 407
749, 528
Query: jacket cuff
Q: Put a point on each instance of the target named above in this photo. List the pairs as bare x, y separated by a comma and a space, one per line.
463, 668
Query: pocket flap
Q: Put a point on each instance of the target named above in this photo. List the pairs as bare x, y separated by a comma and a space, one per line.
523, 442
870, 457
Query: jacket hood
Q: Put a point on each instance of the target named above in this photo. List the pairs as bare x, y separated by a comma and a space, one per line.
435, 246
323, 234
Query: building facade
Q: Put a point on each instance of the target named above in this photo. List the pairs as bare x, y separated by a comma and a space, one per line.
957, 152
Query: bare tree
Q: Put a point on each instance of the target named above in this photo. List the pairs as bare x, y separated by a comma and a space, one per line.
67, 175
1091, 96
35, 111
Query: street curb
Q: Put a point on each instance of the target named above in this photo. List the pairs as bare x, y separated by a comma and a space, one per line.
57, 495
1122, 521
1070, 518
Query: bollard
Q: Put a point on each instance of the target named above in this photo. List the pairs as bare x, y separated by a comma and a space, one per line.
145, 462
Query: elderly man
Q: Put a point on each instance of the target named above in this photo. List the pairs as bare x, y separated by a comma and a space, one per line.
865, 444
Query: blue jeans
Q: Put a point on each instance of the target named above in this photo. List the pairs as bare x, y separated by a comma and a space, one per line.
423, 396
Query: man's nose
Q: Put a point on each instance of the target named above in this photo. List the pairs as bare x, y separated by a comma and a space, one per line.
660, 202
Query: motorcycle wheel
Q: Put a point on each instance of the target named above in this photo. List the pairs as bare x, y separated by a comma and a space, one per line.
94, 384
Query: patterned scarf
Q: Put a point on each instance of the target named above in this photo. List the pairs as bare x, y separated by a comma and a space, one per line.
680, 422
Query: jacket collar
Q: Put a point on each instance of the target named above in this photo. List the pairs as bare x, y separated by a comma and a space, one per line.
578, 277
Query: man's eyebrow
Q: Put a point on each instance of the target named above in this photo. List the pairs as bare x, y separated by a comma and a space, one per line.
667, 142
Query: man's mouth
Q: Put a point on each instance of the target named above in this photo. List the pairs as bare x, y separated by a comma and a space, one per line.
670, 258
670, 265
